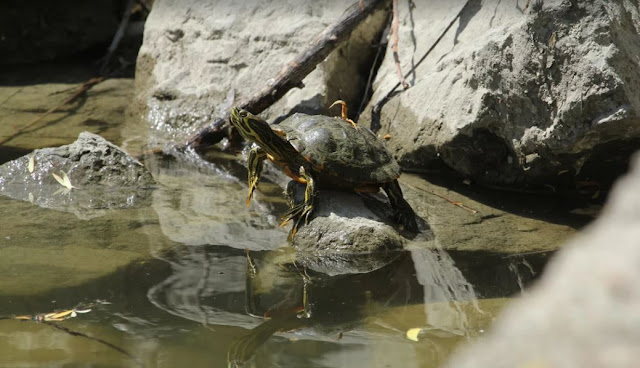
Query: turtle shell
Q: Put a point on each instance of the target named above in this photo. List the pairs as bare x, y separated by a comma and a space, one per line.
335, 149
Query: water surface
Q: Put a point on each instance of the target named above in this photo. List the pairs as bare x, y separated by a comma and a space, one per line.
168, 281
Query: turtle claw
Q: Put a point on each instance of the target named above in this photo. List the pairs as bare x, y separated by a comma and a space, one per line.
343, 112
406, 222
297, 212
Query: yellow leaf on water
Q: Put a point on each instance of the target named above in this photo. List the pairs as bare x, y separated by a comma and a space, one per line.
64, 180
32, 163
56, 316
58, 179
412, 333
67, 182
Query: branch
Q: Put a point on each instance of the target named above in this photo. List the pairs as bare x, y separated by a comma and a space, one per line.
295, 71
394, 44
377, 107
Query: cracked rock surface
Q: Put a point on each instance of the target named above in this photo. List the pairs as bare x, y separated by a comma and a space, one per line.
514, 96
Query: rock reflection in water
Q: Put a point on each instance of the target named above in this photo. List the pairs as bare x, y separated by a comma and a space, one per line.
198, 204
208, 285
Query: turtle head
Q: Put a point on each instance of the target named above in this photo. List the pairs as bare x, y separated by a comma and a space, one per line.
258, 131
250, 127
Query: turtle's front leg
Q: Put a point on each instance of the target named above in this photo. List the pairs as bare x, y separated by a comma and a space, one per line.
255, 165
403, 212
303, 209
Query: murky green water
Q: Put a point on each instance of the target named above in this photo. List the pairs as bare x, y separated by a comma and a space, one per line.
174, 276
171, 288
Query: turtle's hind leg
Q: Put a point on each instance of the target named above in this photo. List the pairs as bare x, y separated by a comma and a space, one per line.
403, 212
255, 164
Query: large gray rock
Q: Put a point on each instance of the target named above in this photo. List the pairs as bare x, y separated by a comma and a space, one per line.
513, 95
200, 57
585, 311
103, 177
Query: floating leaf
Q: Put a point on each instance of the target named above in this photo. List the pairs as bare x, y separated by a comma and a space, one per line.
32, 163
412, 333
59, 316
67, 182
64, 180
58, 179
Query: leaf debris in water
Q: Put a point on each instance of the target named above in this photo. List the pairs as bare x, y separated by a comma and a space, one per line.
412, 333
64, 180
32, 163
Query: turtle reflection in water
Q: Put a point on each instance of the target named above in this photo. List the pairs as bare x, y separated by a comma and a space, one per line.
318, 303
323, 152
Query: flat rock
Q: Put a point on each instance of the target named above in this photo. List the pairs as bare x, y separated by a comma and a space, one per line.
514, 95
104, 177
472, 218
584, 310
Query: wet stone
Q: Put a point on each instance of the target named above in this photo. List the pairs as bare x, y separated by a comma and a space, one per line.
348, 233
102, 175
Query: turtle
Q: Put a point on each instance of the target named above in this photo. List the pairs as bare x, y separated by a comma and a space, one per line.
322, 152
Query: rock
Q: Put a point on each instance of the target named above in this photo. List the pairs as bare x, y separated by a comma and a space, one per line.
492, 221
199, 58
33, 31
514, 96
348, 233
584, 310
103, 175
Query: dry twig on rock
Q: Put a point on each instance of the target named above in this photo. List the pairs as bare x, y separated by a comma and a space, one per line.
82, 90
394, 44
293, 72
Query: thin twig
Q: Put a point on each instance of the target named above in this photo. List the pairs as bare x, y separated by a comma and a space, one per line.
294, 72
455, 203
394, 44
378, 106
96, 339
118, 36
84, 88
374, 66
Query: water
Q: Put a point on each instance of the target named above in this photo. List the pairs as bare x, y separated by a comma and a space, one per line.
169, 283
174, 276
